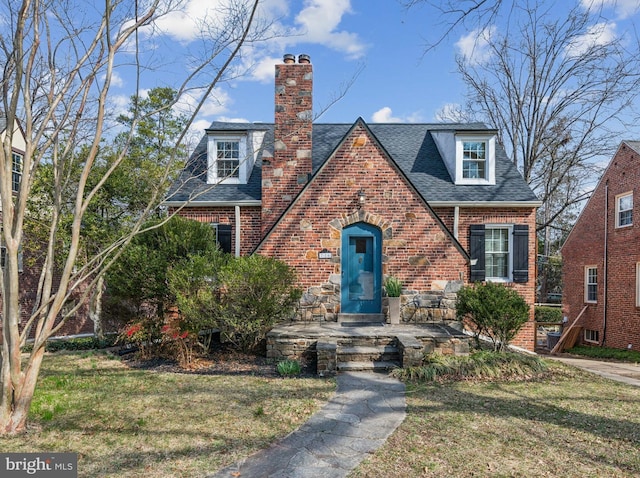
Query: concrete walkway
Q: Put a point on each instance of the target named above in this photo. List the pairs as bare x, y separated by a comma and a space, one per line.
628, 373
364, 411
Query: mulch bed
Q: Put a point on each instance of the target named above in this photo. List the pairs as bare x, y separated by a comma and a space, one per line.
223, 361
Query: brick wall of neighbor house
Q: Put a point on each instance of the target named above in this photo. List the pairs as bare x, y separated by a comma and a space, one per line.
288, 171
78, 324
585, 247
250, 218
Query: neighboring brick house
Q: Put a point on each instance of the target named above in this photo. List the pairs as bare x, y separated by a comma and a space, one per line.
347, 205
29, 262
601, 257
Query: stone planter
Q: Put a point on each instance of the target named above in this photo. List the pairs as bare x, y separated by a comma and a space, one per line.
394, 310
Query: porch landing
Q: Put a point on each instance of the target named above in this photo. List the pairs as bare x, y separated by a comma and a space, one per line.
335, 347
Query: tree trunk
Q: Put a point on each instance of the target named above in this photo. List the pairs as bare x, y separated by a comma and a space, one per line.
16, 411
95, 309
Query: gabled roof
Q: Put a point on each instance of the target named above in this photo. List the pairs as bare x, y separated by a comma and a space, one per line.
410, 145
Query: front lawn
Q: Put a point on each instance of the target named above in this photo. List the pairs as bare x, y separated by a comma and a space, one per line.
139, 423
571, 424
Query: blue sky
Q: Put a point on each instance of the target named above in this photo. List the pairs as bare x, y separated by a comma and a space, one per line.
379, 40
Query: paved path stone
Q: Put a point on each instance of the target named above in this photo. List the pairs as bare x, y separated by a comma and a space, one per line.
365, 410
628, 373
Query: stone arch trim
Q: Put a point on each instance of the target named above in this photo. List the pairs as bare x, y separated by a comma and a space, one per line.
366, 217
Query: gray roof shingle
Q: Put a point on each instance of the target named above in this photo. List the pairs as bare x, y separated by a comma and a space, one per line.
411, 146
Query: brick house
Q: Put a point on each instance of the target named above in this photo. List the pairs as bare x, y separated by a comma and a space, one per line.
30, 261
347, 205
601, 257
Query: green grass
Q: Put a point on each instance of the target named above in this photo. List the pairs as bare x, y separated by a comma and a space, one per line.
571, 424
136, 423
632, 356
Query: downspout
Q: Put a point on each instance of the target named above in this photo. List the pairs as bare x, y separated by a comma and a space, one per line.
237, 209
456, 221
605, 259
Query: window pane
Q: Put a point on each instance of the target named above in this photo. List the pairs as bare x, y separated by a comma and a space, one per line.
474, 159
592, 284
228, 153
625, 210
497, 252
16, 171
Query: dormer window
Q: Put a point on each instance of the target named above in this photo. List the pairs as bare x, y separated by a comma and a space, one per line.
227, 160
232, 154
475, 159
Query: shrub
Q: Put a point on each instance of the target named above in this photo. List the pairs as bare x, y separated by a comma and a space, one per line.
288, 368
548, 314
483, 365
244, 297
258, 292
494, 311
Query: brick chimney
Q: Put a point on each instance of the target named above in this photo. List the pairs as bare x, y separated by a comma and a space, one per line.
284, 175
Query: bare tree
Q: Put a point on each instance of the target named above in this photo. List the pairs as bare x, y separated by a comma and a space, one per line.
556, 90
59, 58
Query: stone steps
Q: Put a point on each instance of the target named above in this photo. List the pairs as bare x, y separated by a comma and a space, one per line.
376, 366
384, 353
370, 354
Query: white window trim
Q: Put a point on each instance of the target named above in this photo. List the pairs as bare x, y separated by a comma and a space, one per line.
13, 171
637, 284
490, 166
619, 197
586, 284
509, 277
590, 340
212, 154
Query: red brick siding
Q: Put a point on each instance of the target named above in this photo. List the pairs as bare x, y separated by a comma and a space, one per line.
286, 173
416, 248
585, 247
249, 222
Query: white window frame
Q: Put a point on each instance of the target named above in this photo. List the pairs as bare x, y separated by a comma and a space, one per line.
589, 336
490, 159
212, 154
16, 171
509, 228
637, 284
587, 277
619, 210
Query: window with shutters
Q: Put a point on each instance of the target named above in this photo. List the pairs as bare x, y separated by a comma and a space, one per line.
223, 237
591, 284
499, 253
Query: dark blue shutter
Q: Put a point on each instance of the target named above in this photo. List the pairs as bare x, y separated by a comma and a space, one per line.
476, 252
224, 237
520, 253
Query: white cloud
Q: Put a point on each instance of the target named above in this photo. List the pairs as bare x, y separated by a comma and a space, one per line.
318, 22
264, 69
622, 8
215, 104
385, 115
598, 34
474, 47
116, 80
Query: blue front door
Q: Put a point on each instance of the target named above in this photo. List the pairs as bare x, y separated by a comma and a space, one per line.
361, 270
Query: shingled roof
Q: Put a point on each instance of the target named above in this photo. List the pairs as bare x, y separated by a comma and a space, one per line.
411, 146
